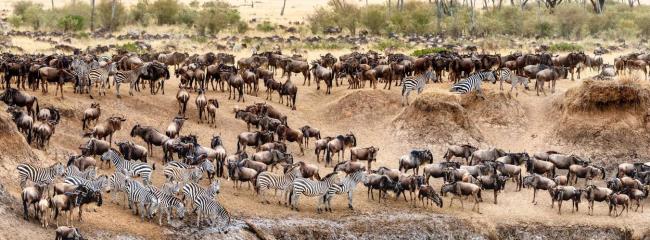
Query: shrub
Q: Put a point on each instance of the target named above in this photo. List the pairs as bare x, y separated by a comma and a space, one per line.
140, 13
215, 17
374, 19
71, 22
390, 43
131, 47
166, 11
565, 47
422, 52
265, 27
242, 27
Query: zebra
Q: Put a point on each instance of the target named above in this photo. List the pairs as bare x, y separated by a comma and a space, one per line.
173, 173
73, 171
167, 203
310, 188
80, 70
118, 184
130, 76
348, 184
473, 82
209, 208
268, 180
193, 190
206, 166
418, 83
98, 184
133, 168
39, 175
100, 75
141, 199
504, 74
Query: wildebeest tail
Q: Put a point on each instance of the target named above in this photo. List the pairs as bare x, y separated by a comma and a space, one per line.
328, 156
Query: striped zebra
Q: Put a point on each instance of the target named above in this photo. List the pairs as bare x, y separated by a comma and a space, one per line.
73, 171
206, 166
504, 74
101, 74
130, 76
311, 188
102, 182
118, 184
347, 185
141, 199
133, 168
418, 83
210, 209
167, 204
268, 180
39, 175
80, 70
473, 82
193, 190
184, 175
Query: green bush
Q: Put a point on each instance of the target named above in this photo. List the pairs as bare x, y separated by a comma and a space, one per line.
390, 43
131, 47
374, 19
140, 13
565, 47
216, 16
104, 10
71, 23
265, 27
242, 27
166, 11
422, 52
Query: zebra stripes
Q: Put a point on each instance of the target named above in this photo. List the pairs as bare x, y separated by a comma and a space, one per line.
193, 190
184, 175
268, 180
130, 76
168, 203
310, 188
473, 82
118, 184
98, 184
348, 184
73, 171
37, 174
141, 199
100, 75
504, 74
411, 83
133, 168
80, 70
210, 209
206, 166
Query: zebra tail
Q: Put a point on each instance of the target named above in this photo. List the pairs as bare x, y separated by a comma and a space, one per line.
403, 88
38, 109
153, 166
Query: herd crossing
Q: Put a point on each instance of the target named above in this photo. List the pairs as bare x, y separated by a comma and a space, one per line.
261, 150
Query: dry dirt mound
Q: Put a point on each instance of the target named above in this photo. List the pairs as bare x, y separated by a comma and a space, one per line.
604, 116
364, 105
436, 118
14, 147
497, 109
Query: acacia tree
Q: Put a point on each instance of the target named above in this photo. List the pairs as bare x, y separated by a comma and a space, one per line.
599, 6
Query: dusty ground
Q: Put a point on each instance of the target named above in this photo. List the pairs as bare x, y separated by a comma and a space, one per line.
368, 113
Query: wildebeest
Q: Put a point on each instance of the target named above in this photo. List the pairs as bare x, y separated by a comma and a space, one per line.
42, 132
91, 114
23, 121
337, 145
594, 193
131, 151
324, 74
538, 182
182, 96
366, 154
615, 199
414, 159
460, 189
564, 193
106, 129
213, 105
309, 132
587, 172
486, 155
437, 170
149, 135
288, 134
252, 139
428, 193
12, 96
549, 75
174, 128
291, 91
465, 151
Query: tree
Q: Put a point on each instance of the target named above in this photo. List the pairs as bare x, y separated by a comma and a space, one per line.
112, 16
284, 4
599, 6
551, 4
92, 16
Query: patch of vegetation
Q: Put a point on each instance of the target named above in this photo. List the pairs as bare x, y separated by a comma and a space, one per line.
565, 47
131, 47
390, 43
422, 52
265, 27
326, 45
71, 23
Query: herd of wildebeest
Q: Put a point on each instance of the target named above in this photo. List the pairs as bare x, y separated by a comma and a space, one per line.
466, 170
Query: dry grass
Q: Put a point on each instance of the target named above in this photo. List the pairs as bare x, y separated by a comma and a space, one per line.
625, 93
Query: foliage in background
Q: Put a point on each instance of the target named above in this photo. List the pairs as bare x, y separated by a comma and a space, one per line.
565, 47
422, 52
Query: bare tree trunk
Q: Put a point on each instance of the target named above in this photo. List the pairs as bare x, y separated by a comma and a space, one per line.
92, 16
112, 16
52, 4
473, 18
284, 4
